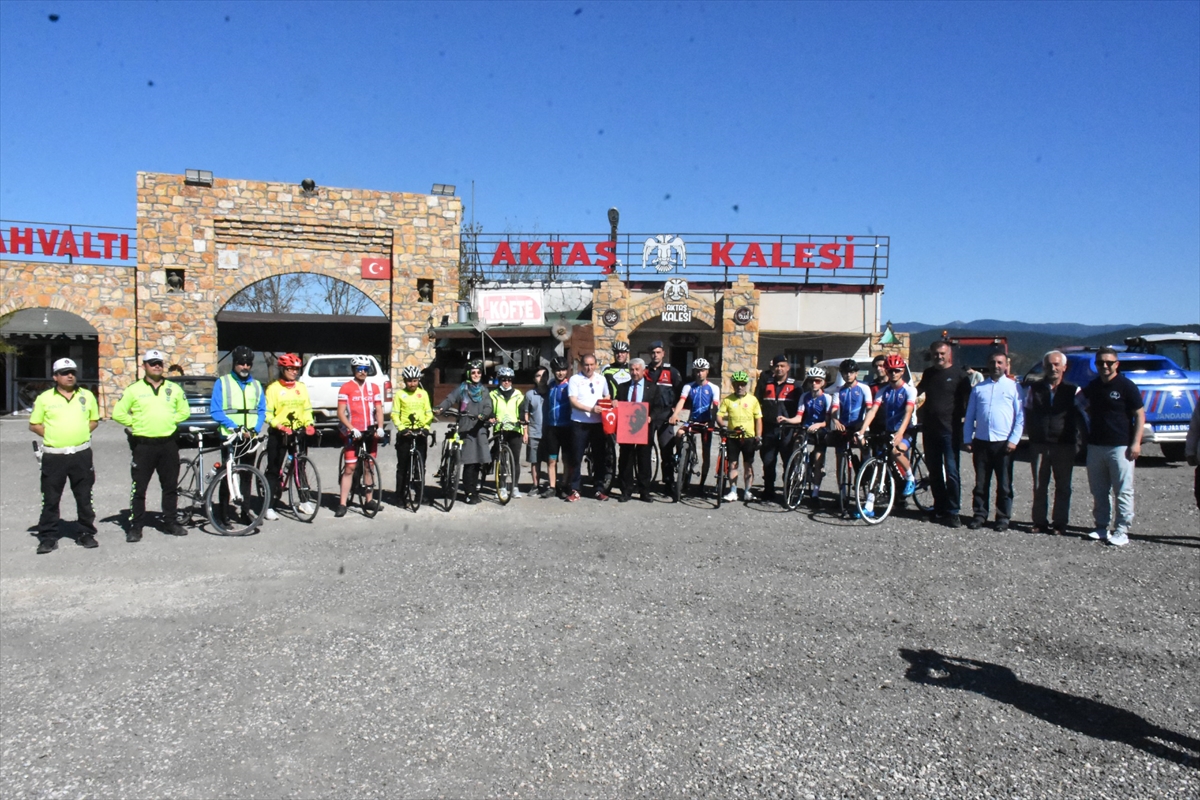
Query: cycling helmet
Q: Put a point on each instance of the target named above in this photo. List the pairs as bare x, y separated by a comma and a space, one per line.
290, 360
816, 372
895, 361
849, 365
557, 364
620, 347
242, 355
359, 361
739, 377
505, 373
474, 363
410, 373
700, 363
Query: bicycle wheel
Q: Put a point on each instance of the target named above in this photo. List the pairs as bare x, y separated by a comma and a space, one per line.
188, 493
874, 491
450, 476
683, 470
722, 475
845, 478
610, 473
923, 496
304, 489
414, 492
505, 475
366, 478
795, 478
653, 462
246, 500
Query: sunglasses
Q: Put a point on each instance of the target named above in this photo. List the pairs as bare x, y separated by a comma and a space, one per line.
240, 363
1107, 363
154, 363
895, 372
66, 372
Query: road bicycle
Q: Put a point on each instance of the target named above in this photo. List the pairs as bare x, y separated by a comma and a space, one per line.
687, 460
723, 465
847, 470
233, 496
366, 473
800, 474
449, 472
410, 491
875, 492
300, 483
506, 467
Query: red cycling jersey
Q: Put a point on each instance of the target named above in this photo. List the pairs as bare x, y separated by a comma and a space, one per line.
360, 403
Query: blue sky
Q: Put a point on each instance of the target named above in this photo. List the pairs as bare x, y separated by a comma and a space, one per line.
1031, 161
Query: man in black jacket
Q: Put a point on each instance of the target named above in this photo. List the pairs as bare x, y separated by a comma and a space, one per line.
778, 394
1052, 422
946, 389
670, 383
641, 389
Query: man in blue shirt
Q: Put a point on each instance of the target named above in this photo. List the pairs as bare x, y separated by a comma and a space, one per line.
992, 430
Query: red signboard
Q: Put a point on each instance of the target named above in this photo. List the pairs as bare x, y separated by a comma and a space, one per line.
511, 307
60, 243
633, 423
376, 268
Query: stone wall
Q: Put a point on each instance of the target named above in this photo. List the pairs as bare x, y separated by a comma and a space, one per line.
611, 295
274, 229
739, 343
100, 293
900, 346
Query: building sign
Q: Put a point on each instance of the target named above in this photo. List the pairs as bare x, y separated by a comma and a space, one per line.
511, 307
743, 315
227, 259
66, 243
603, 254
375, 268
611, 317
675, 296
664, 253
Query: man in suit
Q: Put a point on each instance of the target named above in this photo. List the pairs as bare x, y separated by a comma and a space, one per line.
639, 389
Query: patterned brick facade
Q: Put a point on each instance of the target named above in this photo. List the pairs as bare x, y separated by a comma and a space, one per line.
739, 342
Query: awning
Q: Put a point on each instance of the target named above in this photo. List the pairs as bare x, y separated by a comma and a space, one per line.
47, 322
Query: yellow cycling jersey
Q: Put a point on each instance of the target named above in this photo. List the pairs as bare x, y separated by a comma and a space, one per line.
285, 402
740, 412
415, 403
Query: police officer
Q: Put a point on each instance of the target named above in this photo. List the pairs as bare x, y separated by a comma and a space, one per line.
239, 403
670, 383
151, 409
778, 395
65, 417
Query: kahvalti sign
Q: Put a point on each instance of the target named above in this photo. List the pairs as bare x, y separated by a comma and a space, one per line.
511, 306
60, 243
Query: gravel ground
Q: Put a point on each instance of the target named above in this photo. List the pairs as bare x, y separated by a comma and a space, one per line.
548, 649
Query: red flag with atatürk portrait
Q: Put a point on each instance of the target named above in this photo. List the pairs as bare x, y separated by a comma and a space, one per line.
633, 423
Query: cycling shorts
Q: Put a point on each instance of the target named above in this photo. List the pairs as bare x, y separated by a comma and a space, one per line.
840, 439
350, 448
739, 448
556, 439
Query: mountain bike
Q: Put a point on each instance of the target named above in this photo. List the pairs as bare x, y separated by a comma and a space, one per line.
233, 496
411, 491
506, 467
366, 473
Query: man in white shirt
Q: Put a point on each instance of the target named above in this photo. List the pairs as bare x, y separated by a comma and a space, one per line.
585, 392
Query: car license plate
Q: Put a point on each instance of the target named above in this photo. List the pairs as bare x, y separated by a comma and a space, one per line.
1169, 428
198, 409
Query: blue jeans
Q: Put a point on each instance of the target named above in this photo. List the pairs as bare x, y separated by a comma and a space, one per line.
1110, 473
941, 459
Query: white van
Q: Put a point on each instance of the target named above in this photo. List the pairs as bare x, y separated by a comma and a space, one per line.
323, 375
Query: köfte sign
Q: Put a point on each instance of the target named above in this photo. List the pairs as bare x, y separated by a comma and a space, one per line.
511, 307
59, 243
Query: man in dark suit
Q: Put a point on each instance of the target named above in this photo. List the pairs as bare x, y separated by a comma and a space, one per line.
639, 389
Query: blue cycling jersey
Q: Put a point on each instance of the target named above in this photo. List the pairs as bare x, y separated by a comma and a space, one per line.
558, 405
895, 399
816, 407
701, 396
854, 401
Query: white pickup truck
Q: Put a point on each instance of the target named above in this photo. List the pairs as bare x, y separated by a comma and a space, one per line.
323, 376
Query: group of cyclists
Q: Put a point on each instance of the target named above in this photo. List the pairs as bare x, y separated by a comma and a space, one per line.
556, 423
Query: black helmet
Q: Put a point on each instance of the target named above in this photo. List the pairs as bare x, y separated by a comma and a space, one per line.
474, 363
558, 363
849, 365
242, 355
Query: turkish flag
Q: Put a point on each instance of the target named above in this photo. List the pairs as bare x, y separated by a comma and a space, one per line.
375, 268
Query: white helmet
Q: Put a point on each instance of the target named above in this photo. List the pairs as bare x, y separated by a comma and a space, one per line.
360, 361
816, 372
700, 363
505, 372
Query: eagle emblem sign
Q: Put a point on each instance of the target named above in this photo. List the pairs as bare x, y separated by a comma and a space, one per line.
665, 253
675, 297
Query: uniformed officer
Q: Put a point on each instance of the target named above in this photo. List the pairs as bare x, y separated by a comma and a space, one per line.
152, 408
65, 417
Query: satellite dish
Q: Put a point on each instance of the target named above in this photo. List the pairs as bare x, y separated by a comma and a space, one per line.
561, 330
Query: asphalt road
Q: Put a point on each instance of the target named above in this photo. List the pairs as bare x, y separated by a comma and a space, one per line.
547, 649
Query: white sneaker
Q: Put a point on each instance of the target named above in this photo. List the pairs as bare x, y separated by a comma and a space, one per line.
306, 508
1118, 539
516, 493
271, 515
1099, 534
731, 495
748, 495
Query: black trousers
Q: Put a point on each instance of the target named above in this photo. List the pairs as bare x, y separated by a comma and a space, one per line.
402, 446
151, 456
57, 469
1057, 461
941, 459
776, 443
470, 484
992, 458
667, 445
635, 456
589, 433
